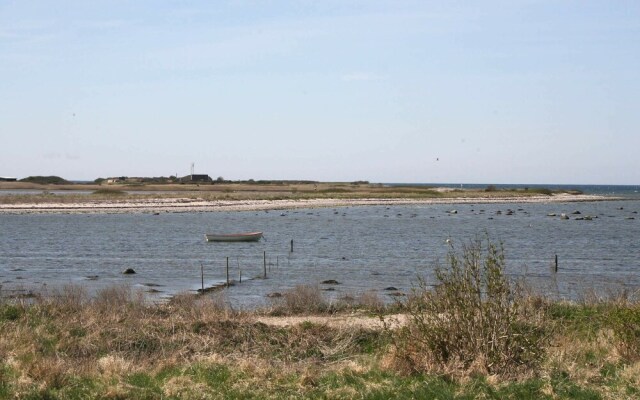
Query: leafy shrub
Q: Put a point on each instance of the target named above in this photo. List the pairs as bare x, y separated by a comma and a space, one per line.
55, 180
474, 321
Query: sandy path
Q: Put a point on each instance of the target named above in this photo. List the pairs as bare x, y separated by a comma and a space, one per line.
338, 321
197, 205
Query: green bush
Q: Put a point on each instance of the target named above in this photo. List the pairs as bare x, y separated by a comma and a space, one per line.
474, 321
55, 180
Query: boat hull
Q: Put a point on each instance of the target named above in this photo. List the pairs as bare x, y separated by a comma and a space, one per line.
235, 237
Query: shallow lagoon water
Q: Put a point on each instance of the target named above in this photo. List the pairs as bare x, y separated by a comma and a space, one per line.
363, 248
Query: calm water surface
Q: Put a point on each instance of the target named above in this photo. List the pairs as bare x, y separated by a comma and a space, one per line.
363, 248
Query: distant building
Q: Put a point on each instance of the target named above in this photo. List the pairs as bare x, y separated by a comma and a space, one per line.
124, 179
193, 178
7, 179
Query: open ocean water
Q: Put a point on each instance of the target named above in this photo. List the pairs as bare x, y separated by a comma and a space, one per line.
364, 249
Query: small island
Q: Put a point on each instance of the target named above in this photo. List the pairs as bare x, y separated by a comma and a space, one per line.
201, 193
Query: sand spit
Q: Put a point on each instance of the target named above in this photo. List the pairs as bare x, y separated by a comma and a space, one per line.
198, 205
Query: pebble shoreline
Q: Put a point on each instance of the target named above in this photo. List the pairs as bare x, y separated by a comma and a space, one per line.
185, 205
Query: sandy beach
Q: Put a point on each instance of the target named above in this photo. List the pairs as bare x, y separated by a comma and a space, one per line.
199, 205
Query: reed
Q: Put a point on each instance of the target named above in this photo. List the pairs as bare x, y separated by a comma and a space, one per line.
303, 299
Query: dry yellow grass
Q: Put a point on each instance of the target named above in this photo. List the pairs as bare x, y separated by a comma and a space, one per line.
261, 191
117, 345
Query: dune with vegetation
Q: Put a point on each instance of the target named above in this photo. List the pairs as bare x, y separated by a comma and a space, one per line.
250, 196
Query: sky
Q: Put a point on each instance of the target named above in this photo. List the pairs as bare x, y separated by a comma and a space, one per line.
386, 91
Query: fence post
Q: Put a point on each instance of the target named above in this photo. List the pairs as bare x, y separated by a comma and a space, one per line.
202, 276
227, 271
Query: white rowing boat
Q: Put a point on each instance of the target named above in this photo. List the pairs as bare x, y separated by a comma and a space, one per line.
233, 237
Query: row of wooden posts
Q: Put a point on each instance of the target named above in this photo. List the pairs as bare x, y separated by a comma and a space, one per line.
264, 264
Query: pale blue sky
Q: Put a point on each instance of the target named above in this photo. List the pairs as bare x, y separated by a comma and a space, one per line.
385, 91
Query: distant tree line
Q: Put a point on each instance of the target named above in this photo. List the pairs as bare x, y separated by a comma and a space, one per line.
56, 180
45, 180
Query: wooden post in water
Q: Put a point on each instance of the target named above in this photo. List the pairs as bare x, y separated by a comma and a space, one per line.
264, 263
556, 264
291, 246
239, 269
227, 271
202, 276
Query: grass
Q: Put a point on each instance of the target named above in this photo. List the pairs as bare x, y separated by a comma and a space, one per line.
191, 351
108, 192
69, 345
246, 191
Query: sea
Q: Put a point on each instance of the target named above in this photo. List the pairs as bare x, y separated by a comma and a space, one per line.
344, 251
